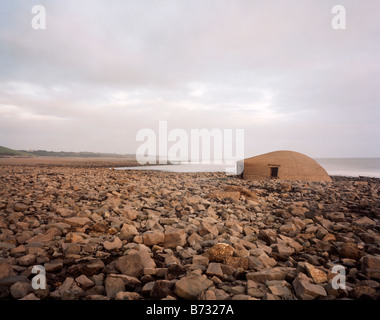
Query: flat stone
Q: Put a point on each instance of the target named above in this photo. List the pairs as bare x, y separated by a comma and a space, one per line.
306, 290
174, 237
84, 282
53, 266
370, 265
20, 207
77, 221
214, 269
151, 238
6, 270
133, 264
127, 296
265, 275
161, 289
113, 286
20, 289
190, 287
114, 245
27, 260
316, 274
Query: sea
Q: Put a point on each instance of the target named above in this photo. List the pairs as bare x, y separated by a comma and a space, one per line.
350, 167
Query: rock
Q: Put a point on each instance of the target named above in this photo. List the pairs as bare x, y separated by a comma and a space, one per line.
92, 267
306, 290
207, 228
283, 250
129, 213
220, 252
30, 296
161, 289
65, 212
350, 250
214, 269
113, 286
364, 293
84, 282
234, 195
133, 264
174, 237
268, 236
237, 262
190, 287
279, 290
365, 222
71, 248
65, 286
27, 260
147, 288
4, 292
53, 266
265, 275
20, 289
151, 238
127, 232
370, 266
46, 237
20, 207
77, 221
130, 282
316, 274
127, 296
336, 216
6, 270
174, 271
200, 260
114, 245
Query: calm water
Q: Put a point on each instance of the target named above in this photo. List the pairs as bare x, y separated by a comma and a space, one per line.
354, 167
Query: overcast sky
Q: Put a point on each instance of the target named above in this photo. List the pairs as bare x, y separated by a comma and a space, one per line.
102, 70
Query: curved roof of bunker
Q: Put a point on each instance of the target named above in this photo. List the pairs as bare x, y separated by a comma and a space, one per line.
291, 166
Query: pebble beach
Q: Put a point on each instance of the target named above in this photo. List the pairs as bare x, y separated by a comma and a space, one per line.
104, 234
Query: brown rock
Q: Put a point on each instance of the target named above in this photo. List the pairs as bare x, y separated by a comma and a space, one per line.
133, 264
316, 274
174, 237
114, 245
234, 195
27, 260
84, 282
237, 262
214, 269
365, 222
20, 207
127, 296
220, 252
269, 274
46, 237
20, 289
77, 221
364, 293
6, 270
350, 250
151, 238
370, 266
306, 290
190, 287
127, 232
161, 289
113, 286
53, 266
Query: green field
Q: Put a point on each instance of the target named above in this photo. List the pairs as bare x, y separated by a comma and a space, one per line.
10, 152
